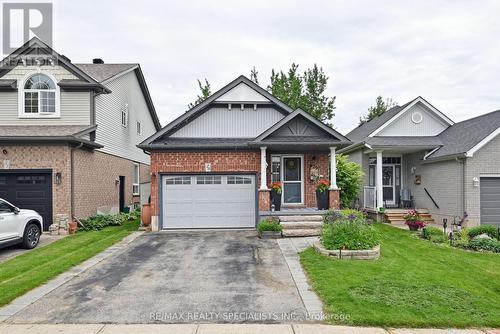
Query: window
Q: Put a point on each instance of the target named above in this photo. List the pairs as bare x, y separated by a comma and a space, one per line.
135, 184
178, 180
209, 179
124, 114
275, 168
138, 128
238, 180
4, 207
3, 180
39, 96
30, 179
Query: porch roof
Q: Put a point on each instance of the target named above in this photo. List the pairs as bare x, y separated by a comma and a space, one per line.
404, 144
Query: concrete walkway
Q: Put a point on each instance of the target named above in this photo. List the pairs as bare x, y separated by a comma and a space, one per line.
225, 329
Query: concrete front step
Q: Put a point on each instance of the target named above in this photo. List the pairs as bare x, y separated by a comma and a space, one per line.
301, 233
301, 218
301, 225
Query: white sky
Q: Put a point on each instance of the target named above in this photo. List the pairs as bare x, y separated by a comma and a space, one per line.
446, 51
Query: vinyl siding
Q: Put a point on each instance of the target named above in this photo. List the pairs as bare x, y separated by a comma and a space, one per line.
442, 179
118, 140
485, 161
74, 106
220, 122
404, 126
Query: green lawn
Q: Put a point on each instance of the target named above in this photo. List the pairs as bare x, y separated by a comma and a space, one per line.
415, 283
27, 271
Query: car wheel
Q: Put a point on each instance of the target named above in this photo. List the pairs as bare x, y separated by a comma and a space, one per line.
31, 236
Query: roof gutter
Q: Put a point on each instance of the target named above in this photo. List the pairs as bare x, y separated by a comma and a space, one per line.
53, 139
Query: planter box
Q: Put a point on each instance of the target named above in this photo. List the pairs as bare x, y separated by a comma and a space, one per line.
369, 254
270, 234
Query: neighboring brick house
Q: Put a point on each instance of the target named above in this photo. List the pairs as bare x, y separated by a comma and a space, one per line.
212, 166
415, 153
68, 133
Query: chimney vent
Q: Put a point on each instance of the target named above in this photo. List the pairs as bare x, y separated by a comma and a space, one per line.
97, 61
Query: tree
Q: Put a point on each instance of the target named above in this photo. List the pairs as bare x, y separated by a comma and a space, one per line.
378, 109
349, 180
305, 91
253, 75
205, 93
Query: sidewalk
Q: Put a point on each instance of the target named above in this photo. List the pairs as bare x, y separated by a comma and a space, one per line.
223, 329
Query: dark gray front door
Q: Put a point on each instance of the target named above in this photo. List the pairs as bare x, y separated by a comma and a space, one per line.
490, 200
292, 180
29, 190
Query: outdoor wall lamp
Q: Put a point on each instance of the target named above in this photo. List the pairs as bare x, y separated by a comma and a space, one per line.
117, 181
58, 178
4, 151
413, 169
475, 182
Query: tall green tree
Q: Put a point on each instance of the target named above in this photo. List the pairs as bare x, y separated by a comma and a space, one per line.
380, 107
306, 91
204, 91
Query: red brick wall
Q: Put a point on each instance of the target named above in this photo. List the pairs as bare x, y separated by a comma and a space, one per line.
55, 157
229, 161
194, 162
95, 186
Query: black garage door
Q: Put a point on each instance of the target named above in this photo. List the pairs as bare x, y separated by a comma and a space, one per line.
29, 190
490, 200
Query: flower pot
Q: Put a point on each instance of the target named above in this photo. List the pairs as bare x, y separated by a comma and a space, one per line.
322, 199
276, 200
146, 214
413, 227
72, 227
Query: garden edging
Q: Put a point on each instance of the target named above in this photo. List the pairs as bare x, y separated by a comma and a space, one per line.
368, 254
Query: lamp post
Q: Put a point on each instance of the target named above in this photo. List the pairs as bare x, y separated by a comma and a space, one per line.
445, 223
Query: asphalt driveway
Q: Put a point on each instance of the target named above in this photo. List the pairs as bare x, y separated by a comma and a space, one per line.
179, 277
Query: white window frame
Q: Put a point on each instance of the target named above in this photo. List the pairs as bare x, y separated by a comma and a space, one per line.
21, 102
124, 112
136, 176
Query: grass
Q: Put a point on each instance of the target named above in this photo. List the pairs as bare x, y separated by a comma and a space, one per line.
415, 283
32, 269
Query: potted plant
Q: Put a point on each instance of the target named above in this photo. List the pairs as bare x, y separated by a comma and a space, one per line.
72, 227
322, 194
269, 228
276, 190
413, 220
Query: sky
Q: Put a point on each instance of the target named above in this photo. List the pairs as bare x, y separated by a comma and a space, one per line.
446, 51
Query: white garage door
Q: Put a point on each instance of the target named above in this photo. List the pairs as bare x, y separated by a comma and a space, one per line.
208, 201
490, 200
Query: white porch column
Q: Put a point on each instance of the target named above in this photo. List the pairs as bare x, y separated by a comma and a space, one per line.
378, 181
263, 168
333, 169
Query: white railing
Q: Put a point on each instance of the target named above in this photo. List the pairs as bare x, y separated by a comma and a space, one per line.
370, 197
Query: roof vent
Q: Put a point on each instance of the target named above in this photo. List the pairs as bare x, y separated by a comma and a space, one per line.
97, 61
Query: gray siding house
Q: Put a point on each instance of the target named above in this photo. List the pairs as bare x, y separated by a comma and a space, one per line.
416, 153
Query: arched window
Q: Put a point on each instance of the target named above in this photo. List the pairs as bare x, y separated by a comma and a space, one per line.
39, 95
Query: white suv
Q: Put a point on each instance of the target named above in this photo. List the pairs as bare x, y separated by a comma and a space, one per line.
19, 226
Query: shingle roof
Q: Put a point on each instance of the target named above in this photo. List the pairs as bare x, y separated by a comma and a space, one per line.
102, 72
176, 143
361, 132
463, 136
42, 130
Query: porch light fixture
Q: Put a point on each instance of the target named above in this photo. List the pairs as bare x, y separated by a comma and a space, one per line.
413, 169
4, 151
58, 178
475, 182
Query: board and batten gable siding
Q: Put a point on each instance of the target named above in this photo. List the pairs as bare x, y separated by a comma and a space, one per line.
220, 122
74, 106
240, 93
117, 139
430, 125
485, 162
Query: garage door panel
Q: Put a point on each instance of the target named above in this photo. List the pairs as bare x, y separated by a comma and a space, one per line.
208, 201
490, 200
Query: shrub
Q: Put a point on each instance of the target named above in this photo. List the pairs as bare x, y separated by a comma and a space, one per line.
485, 244
490, 230
269, 225
350, 214
349, 180
98, 222
434, 234
349, 234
